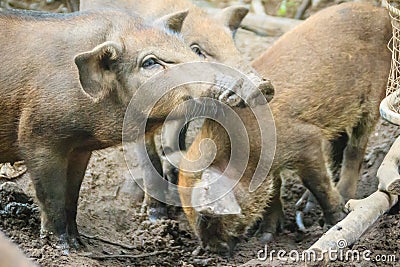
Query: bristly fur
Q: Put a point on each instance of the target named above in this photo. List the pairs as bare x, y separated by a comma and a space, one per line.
327, 82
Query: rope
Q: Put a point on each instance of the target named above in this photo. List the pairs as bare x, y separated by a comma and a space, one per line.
393, 84
391, 8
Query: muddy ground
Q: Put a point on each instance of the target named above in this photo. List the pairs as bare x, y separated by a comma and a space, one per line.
109, 214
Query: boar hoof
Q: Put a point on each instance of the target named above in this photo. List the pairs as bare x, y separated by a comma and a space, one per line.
63, 244
219, 247
267, 238
76, 243
60, 242
224, 248
267, 235
157, 213
311, 204
333, 218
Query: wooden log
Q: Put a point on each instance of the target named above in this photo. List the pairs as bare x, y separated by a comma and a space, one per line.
264, 24
257, 7
362, 214
388, 172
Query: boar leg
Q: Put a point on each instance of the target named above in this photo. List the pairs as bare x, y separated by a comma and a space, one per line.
172, 130
272, 220
187, 179
314, 175
352, 160
156, 209
170, 145
77, 164
48, 170
334, 153
171, 149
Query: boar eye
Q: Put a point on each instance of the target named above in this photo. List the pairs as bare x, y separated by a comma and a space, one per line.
196, 48
150, 62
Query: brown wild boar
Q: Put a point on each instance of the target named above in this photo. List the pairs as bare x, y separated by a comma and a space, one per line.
329, 79
210, 37
66, 81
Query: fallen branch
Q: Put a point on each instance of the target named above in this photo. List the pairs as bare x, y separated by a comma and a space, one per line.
264, 24
95, 237
363, 214
257, 7
388, 172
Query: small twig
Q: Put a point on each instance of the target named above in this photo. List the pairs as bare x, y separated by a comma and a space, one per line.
303, 198
299, 214
299, 221
130, 256
108, 241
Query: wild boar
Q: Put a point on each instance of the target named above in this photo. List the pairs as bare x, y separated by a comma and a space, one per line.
211, 40
329, 79
66, 82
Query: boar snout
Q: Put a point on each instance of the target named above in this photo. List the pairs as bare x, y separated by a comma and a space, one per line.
264, 87
253, 86
267, 89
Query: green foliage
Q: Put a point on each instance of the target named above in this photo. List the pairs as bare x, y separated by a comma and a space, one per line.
287, 7
282, 9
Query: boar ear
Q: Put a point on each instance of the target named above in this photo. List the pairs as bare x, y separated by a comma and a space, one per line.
173, 21
96, 73
232, 16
